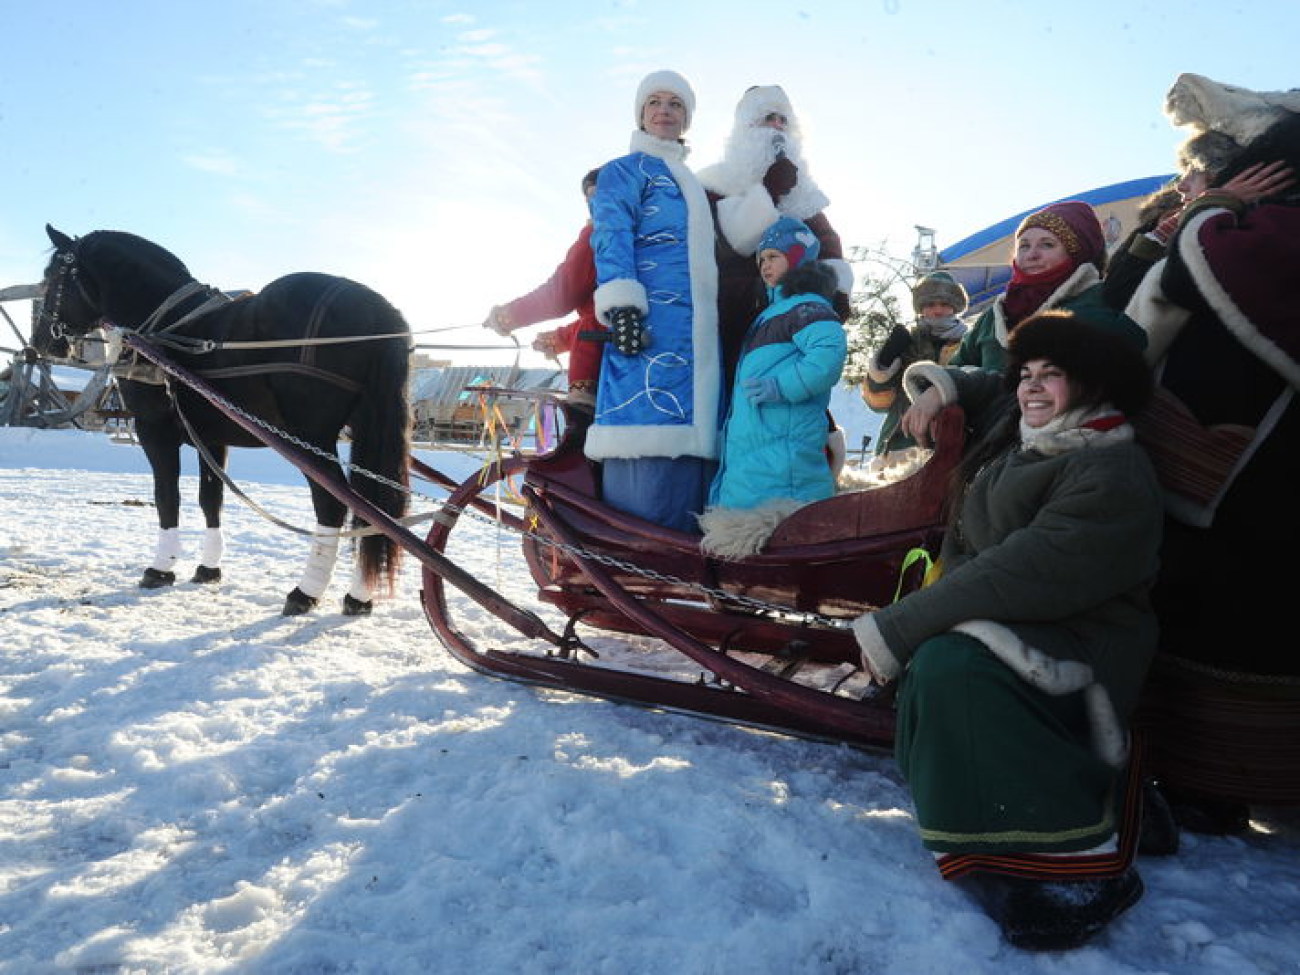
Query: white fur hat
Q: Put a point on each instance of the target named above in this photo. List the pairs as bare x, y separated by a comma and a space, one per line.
669, 81
760, 101
1239, 113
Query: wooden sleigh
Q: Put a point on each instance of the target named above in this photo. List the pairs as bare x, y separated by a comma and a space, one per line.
767, 635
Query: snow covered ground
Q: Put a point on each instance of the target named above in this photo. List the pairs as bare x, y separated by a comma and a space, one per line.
191, 783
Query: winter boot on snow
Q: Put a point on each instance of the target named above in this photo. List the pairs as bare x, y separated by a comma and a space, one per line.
1208, 815
1158, 832
1053, 915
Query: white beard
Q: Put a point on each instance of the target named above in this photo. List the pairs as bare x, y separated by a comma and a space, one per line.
749, 152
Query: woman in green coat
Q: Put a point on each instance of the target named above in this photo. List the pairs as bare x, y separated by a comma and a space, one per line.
1056, 262
1020, 665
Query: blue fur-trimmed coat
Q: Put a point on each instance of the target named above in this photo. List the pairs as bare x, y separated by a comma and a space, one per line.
653, 241
776, 451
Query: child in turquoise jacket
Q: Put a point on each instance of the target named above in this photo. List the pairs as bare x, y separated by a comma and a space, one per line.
774, 438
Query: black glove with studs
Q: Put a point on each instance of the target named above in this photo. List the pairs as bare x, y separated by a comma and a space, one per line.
627, 330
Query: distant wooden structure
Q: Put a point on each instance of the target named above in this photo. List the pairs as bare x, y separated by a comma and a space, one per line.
446, 407
38, 391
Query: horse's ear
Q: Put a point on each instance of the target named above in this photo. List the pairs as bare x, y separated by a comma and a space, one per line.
58, 238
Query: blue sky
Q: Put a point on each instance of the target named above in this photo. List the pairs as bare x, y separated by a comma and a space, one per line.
433, 149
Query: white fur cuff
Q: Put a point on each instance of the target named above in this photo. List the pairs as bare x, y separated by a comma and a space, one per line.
877, 658
843, 274
620, 293
921, 375
882, 374
744, 219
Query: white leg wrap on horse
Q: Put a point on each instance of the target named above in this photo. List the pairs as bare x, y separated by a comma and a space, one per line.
358, 589
320, 563
214, 546
168, 550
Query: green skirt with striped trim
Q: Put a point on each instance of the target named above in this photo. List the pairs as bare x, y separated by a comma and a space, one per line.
997, 766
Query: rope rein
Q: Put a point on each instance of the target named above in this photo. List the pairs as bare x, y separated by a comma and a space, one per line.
218, 300
445, 508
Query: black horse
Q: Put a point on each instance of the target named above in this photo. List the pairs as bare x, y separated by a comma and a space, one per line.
273, 355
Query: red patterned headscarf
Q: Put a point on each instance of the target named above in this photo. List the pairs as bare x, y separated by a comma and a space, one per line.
1075, 225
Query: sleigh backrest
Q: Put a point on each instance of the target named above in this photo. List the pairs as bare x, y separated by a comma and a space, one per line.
915, 502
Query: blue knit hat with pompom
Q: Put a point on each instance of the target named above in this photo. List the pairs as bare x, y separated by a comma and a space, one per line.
793, 239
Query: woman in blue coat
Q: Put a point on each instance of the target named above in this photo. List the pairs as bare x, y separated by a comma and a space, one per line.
657, 404
774, 439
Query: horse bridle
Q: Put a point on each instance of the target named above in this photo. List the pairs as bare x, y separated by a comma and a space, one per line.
67, 269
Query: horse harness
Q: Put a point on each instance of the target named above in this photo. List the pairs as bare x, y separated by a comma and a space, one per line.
218, 300
215, 300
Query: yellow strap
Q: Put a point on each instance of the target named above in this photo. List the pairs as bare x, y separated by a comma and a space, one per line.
913, 556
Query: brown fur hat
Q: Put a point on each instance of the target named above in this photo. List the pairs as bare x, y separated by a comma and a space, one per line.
939, 286
1100, 353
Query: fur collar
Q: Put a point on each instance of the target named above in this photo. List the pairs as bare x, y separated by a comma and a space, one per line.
669, 150
1089, 427
1083, 278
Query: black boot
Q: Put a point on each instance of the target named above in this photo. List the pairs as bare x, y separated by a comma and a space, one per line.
1210, 815
1053, 915
1158, 833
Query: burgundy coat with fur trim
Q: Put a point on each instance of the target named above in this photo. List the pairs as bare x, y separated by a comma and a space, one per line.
1222, 313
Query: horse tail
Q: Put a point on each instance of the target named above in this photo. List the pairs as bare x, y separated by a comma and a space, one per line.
381, 443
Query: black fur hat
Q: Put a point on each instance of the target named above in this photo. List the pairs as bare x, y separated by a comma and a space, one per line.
1101, 352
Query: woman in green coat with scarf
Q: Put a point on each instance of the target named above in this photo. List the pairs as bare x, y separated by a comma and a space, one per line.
1020, 665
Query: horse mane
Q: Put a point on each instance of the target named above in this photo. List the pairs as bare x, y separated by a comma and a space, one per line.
133, 275
117, 250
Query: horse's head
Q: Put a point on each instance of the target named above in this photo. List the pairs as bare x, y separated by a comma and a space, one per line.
69, 305
105, 275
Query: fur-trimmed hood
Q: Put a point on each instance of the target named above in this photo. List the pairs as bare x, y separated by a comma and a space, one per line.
811, 277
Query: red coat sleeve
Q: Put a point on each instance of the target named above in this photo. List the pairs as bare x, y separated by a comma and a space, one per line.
566, 290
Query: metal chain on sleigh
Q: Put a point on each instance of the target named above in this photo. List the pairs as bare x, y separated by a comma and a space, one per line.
748, 602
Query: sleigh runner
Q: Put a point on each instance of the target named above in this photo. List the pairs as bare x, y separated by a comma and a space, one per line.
761, 641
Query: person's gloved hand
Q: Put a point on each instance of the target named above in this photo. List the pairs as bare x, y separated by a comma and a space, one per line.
893, 348
498, 321
1164, 231
762, 390
548, 344
780, 178
627, 330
